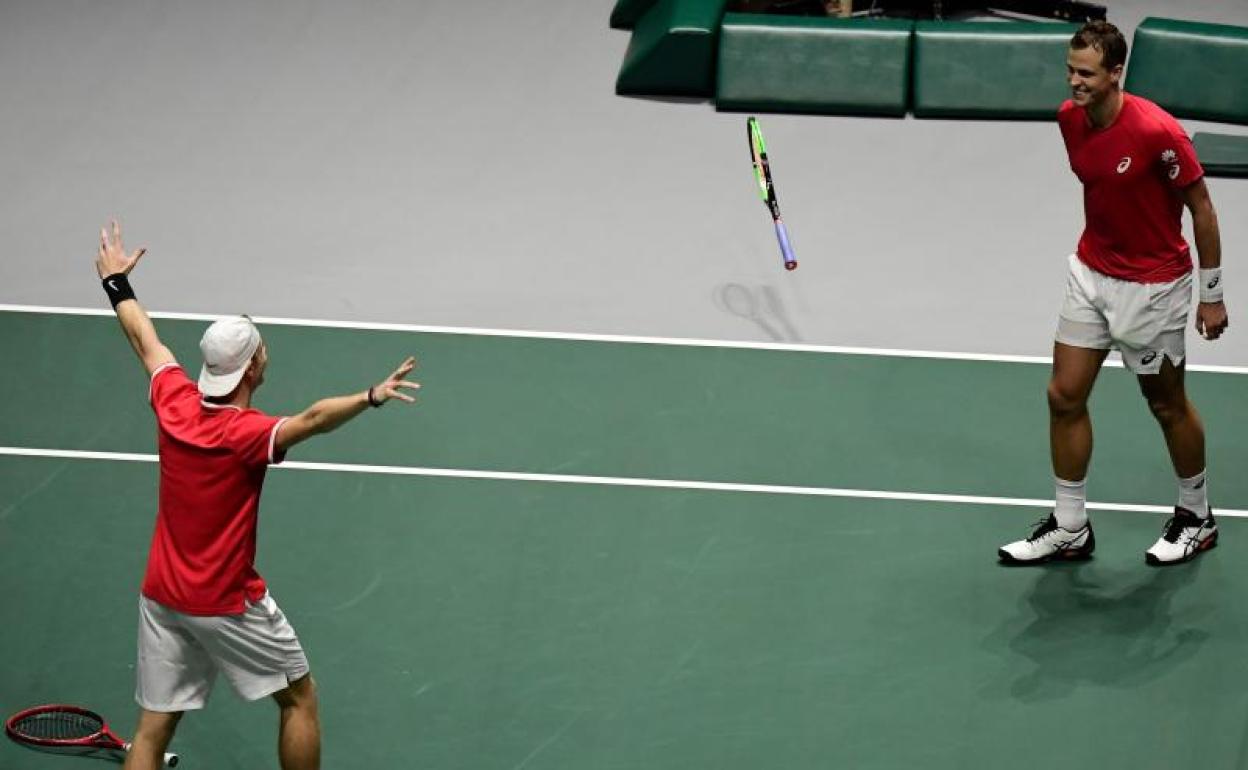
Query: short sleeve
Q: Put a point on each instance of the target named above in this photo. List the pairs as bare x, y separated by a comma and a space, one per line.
1176, 157
169, 388
1067, 119
253, 437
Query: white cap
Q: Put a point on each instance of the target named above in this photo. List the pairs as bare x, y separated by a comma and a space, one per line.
227, 347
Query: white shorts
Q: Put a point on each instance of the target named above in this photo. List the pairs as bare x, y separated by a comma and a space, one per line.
180, 654
1146, 322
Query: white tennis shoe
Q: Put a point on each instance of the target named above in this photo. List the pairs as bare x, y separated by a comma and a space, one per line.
1049, 542
1185, 536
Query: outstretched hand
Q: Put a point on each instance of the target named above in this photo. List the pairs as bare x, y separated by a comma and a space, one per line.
111, 258
394, 385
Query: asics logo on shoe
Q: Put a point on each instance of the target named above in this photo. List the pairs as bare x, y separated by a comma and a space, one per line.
1193, 537
1061, 539
1124, 164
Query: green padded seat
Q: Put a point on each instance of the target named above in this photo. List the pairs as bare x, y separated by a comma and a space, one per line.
1008, 70
1222, 154
830, 66
672, 51
1192, 69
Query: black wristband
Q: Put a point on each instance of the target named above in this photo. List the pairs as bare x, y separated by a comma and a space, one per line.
117, 287
374, 404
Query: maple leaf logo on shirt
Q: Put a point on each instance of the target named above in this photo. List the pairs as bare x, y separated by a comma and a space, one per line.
1168, 156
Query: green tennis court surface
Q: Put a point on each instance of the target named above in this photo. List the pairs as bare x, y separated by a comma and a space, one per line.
477, 623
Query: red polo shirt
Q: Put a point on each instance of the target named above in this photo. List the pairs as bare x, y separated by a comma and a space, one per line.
212, 464
1131, 171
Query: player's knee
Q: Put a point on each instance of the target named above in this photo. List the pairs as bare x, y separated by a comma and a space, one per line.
301, 694
1064, 403
157, 727
1168, 410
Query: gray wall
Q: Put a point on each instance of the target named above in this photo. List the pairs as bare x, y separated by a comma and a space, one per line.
467, 164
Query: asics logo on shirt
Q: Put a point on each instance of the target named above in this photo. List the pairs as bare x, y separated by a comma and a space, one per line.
1174, 171
1124, 164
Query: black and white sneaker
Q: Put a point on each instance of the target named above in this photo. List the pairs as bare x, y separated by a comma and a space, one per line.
1186, 535
1049, 542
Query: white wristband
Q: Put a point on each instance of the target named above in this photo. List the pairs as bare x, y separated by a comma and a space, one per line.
1211, 284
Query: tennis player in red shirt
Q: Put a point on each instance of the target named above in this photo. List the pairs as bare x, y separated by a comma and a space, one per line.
1129, 288
203, 609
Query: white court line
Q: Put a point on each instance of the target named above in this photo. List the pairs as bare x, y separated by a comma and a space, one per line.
615, 481
482, 332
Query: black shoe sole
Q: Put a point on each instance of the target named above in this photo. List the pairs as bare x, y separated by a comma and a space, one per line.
1061, 556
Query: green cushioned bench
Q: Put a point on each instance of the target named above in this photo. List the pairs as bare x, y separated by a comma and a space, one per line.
829, 66
1192, 69
1222, 154
1008, 70
672, 51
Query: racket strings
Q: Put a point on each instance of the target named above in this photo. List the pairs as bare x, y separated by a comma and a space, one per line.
58, 726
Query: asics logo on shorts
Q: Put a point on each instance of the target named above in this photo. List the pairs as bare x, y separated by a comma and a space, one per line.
1148, 357
1124, 164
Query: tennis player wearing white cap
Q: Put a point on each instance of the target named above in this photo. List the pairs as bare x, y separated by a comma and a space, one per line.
203, 609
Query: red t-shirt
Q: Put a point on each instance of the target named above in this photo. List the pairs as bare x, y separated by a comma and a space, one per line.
212, 464
1131, 171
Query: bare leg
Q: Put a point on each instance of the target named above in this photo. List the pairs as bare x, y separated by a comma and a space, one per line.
1070, 426
299, 740
151, 739
1179, 421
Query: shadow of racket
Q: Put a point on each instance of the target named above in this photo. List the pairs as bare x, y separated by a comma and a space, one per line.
762, 307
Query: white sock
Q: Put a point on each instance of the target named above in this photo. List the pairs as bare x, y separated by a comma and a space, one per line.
1072, 498
1193, 495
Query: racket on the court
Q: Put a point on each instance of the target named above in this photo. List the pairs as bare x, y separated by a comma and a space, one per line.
762, 173
67, 727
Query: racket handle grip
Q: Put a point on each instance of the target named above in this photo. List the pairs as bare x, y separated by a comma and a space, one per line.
786, 248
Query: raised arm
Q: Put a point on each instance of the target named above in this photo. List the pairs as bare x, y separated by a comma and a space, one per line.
1211, 318
114, 267
329, 413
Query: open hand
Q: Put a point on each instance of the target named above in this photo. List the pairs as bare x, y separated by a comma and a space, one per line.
111, 258
394, 385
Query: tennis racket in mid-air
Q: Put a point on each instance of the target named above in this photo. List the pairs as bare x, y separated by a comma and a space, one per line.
67, 727
762, 173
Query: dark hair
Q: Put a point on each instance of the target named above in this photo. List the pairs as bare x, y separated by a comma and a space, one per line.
1104, 37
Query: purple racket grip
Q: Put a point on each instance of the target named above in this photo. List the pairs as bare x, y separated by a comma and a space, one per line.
790, 261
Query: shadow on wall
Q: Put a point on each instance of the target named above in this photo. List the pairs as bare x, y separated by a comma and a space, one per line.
761, 306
